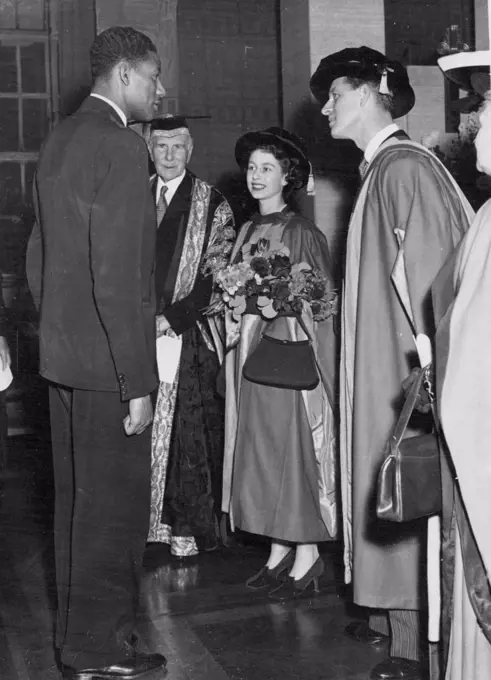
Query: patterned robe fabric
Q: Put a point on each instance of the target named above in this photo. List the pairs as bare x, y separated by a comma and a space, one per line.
187, 437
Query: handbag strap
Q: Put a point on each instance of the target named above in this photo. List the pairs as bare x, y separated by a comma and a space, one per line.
303, 326
408, 407
309, 338
301, 322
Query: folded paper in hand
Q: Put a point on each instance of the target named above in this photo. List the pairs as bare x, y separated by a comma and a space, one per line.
168, 357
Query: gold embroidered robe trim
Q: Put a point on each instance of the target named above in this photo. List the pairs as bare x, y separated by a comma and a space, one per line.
166, 400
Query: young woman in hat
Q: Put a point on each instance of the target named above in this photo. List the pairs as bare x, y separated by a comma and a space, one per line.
279, 471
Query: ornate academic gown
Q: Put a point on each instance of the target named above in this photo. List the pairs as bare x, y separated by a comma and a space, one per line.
462, 299
408, 216
187, 438
279, 475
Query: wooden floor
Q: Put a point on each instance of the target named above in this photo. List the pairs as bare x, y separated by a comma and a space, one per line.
198, 613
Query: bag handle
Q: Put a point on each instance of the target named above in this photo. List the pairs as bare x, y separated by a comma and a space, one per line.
303, 326
301, 322
408, 408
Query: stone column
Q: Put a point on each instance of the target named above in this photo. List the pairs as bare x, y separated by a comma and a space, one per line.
156, 18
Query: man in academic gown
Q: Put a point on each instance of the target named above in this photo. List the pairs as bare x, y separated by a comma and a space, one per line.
90, 267
195, 226
407, 218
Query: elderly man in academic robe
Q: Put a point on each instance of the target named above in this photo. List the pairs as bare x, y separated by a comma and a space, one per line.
195, 225
408, 216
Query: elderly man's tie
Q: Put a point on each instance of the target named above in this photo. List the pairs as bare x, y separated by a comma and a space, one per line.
162, 204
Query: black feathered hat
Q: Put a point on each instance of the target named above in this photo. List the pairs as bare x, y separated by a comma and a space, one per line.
287, 141
367, 65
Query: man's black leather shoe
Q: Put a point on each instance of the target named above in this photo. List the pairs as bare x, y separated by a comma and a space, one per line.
130, 668
361, 632
396, 668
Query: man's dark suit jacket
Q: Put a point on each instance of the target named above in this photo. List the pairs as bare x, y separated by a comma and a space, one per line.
91, 259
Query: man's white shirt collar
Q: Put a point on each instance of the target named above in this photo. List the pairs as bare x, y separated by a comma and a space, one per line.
379, 138
172, 186
115, 107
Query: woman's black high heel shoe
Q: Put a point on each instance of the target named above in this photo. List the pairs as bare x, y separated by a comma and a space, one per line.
268, 578
294, 588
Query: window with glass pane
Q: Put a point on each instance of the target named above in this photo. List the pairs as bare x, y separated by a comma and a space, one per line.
8, 72
10, 188
9, 125
35, 123
33, 67
25, 118
24, 14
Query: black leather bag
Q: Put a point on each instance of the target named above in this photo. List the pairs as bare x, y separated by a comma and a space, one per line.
409, 482
288, 364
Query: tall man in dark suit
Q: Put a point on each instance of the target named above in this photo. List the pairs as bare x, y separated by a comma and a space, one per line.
90, 263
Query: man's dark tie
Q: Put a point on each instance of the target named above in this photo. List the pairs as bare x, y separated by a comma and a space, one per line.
162, 204
363, 167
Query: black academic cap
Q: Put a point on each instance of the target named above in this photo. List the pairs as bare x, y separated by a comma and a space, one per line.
168, 123
367, 65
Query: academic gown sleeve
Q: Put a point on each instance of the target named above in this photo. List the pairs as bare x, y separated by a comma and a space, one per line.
185, 313
430, 218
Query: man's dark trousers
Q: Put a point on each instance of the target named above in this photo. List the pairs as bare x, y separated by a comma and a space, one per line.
102, 505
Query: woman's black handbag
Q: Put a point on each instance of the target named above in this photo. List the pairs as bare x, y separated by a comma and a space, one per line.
409, 482
289, 364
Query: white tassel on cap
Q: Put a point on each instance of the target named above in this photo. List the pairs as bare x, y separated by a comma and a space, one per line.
310, 182
383, 87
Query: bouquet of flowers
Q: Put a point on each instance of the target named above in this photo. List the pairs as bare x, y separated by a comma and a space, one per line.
267, 275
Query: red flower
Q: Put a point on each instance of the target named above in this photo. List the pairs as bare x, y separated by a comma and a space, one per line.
260, 265
280, 266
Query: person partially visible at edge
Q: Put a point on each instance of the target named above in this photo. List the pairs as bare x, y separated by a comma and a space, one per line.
90, 265
5, 361
461, 297
408, 217
279, 468
193, 218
